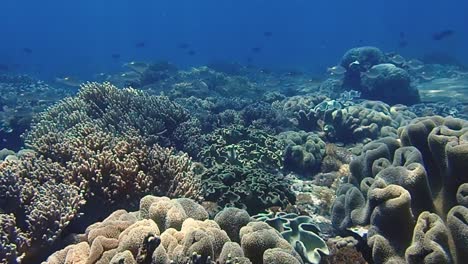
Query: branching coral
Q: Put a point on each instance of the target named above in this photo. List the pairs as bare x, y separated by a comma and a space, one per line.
110, 109
91, 148
41, 202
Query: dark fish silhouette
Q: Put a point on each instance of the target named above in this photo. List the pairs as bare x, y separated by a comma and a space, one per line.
442, 34
27, 50
402, 43
267, 33
191, 52
183, 46
140, 44
116, 56
256, 49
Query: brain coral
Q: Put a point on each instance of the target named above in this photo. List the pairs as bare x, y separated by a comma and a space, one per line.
412, 196
174, 231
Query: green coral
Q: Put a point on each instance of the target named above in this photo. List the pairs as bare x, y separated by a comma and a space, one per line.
242, 146
252, 189
300, 232
303, 153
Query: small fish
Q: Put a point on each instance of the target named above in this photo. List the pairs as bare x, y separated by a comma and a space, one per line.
397, 59
129, 76
442, 34
183, 45
102, 76
137, 66
191, 52
115, 56
427, 76
355, 64
267, 33
402, 35
27, 50
140, 44
256, 49
336, 70
414, 64
69, 81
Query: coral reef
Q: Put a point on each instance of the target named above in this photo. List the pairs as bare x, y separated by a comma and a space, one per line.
87, 154
376, 75
111, 109
304, 152
411, 186
367, 57
343, 250
300, 232
175, 231
21, 97
239, 145
249, 188
313, 158
389, 83
35, 204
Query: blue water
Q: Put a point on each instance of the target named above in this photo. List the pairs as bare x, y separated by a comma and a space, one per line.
78, 37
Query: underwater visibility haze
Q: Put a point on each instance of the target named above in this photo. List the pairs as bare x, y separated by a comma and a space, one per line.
233, 132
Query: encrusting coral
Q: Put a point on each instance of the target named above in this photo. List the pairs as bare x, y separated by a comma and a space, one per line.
176, 231
412, 195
